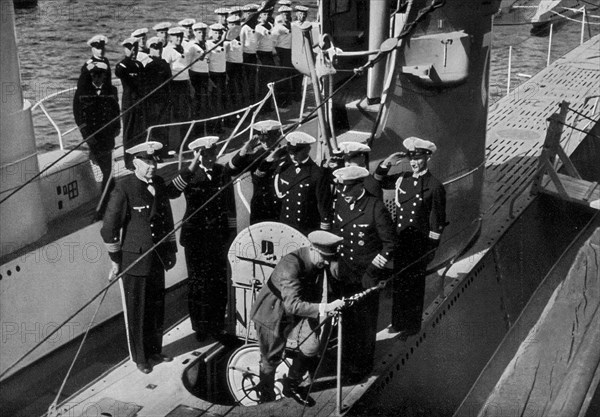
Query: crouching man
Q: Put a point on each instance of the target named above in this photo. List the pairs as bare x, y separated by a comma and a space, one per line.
289, 306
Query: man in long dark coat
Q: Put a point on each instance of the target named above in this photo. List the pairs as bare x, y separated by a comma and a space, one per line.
365, 259
137, 217
130, 71
96, 112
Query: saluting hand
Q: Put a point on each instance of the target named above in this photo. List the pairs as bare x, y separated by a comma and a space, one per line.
250, 146
393, 159
195, 163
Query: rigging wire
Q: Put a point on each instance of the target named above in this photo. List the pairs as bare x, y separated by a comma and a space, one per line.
269, 3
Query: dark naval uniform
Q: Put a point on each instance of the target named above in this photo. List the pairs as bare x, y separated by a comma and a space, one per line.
84, 75
420, 219
130, 71
368, 231
134, 221
156, 72
93, 108
305, 195
205, 237
288, 302
264, 205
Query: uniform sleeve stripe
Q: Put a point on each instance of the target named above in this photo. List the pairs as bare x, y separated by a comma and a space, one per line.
179, 183
171, 238
113, 247
325, 226
434, 235
231, 221
260, 173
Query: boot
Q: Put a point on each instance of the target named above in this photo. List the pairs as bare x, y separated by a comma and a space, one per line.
291, 384
265, 389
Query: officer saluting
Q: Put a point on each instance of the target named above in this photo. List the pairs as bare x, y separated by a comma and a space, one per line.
289, 305
98, 45
364, 223
420, 219
302, 187
206, 237
137, 217
130, 71
264, 205
356, 154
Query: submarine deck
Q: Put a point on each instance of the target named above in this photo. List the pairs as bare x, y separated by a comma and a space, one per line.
516, 129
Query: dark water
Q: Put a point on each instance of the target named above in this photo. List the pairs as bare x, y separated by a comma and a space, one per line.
52, 46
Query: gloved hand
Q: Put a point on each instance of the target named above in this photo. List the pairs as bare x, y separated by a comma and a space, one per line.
332, 307
114, 271
393, 159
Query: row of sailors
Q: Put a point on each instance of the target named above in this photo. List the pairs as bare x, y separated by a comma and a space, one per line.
289, 187
217, 81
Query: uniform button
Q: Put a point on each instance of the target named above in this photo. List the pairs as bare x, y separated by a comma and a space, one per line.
351, 233
410, 220
400, 217
412, 212
401, 209
414, 204
417, 195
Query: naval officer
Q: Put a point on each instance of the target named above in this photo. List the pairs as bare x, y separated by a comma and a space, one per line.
357, 154
137, 217
210, 208
98, 45
157, 74
261, 154
420, 218
364, 223
302, 187
130, 72
290, 305
95, 104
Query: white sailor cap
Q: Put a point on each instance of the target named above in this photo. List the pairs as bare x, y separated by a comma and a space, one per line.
97, 41
146, 150
284, 2
216, 27
129, 42
252, 7
350, 175
284, 9
297, 139
417, 147
186, 22
233, 18
97, 66
138, 33
353, 148
162, 26
265, 126
325, 243
235, 9
177, 30
199, 26
203, 143
222, 10
300, 8
154, 42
